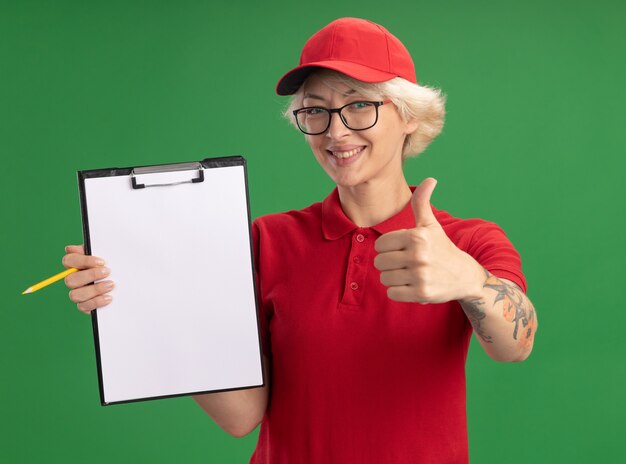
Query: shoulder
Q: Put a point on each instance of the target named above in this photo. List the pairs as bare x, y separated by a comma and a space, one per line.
277, 236
463, 232
487, 243
289, 220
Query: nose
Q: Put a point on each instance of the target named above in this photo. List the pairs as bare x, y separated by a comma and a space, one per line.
337, 128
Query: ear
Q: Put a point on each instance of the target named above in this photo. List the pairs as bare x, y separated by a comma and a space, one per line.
411, 126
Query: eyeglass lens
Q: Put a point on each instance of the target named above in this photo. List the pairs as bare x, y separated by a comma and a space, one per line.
356, 116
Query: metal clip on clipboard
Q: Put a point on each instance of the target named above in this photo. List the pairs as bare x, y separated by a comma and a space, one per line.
167, 168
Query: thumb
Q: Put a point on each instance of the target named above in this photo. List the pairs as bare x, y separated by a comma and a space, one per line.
421, 203
80, 249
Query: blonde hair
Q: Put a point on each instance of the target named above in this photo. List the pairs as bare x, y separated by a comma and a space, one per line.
413, 101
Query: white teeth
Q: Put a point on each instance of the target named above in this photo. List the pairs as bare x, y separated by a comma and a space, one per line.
346, 154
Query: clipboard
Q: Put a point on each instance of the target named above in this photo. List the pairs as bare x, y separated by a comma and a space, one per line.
183, 319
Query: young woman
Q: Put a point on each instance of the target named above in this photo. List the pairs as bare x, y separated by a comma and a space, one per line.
367, 299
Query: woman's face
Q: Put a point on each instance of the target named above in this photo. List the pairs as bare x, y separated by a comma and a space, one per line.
352, 158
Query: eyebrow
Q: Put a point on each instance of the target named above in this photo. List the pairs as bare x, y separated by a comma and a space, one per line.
317, 97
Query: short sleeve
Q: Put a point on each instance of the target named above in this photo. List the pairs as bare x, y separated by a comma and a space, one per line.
491, 247
262, 314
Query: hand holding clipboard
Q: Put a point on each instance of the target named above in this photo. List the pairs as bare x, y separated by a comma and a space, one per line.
168, 333
87, 294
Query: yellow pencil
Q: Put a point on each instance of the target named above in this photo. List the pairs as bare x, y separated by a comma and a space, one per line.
50, 280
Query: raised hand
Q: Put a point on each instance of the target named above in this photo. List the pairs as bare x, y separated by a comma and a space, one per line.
422, 264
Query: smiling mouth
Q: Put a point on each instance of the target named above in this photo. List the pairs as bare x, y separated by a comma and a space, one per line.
346, 154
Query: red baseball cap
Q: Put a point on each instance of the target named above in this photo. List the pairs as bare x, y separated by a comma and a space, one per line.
356, 47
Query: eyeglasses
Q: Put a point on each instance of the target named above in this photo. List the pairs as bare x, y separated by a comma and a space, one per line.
358, 116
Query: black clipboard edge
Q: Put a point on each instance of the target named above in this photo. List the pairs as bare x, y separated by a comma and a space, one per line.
208, 163
220, 162
254, 279
178, 395
82, 175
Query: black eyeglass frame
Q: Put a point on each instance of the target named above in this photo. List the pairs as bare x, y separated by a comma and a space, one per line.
330, 112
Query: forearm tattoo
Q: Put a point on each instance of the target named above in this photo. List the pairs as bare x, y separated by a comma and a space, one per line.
516, 308
475, 315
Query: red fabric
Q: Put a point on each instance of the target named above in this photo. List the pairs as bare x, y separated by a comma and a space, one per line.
357, 47
355, 376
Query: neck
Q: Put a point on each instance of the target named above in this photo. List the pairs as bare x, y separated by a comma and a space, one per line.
375, 201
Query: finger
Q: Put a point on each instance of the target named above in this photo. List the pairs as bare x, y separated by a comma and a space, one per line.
80, 249
420, 202
392, 241
82, 278
82, 294
395, 277
95, 303
402, 293
391, 260
81, 261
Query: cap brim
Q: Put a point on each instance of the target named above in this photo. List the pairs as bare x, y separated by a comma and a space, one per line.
291, 82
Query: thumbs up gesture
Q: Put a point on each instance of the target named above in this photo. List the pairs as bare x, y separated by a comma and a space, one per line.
422, 264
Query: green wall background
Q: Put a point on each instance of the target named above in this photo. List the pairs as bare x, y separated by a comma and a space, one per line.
534, 140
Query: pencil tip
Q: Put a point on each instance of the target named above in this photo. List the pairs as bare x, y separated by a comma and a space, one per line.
28, 290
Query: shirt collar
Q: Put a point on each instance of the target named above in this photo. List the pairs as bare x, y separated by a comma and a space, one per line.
336, 224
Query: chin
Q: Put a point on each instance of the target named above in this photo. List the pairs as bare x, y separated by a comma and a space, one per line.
345, 177
347, 182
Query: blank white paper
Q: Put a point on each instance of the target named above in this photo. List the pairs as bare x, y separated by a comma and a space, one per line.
183, 315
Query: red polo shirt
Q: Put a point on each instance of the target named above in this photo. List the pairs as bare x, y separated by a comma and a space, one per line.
355, 376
